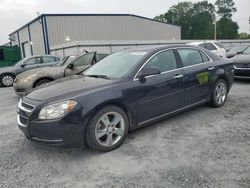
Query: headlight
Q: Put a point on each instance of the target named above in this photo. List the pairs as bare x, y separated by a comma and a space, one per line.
57, 110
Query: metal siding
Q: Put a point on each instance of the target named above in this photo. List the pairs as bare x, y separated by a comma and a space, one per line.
108, 28
37, 37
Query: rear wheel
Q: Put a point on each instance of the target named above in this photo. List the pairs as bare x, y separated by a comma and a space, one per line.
219, 95
7, 80
107, 129
42, 82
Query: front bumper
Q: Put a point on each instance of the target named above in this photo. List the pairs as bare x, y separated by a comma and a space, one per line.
20, 90
66, 132
243, 73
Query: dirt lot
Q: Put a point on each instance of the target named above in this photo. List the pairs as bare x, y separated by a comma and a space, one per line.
204, 147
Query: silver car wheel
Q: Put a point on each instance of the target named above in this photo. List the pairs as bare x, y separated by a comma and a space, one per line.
220, 93
110, 129
7, 80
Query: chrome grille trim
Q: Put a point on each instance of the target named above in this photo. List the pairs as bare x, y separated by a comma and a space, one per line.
21, 107
19, 121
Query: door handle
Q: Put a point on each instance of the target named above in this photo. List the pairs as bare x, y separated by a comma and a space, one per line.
211, 68
178, 76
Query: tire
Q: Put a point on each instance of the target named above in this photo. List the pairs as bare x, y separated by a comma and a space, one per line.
41, 82
219, 94
7, 80
107, 129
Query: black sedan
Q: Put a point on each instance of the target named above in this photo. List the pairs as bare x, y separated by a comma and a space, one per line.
122, 92
8, 74
242, 64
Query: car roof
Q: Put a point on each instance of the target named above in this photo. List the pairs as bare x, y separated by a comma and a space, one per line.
161, 47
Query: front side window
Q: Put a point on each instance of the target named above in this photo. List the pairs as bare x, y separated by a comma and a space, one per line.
117, 64
190, 57
164, 61
33, 61
84, 60
210, 46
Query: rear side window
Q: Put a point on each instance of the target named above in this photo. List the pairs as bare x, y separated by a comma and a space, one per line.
50, 59
210, 46
164, 61
190, 57
201, 45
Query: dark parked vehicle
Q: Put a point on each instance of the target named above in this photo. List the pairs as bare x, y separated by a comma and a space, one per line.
122, 92
242, 64
71, 65
8, 74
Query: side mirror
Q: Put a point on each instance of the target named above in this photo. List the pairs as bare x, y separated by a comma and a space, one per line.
70, 66
148, 71
239, 53
23, 65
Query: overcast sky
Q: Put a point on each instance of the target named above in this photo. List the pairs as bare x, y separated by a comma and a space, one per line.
16, 13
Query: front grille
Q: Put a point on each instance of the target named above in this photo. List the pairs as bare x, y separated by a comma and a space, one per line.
25, 106
242, 65
20, 90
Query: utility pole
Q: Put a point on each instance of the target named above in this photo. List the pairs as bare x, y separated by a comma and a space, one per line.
215, 30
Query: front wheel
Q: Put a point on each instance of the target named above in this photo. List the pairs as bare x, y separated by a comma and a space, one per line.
107, 129
7, 80
219, 95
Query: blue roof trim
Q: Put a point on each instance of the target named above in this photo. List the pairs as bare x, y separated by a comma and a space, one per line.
132, 15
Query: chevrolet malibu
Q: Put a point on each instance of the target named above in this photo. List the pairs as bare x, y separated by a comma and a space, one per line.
124, 91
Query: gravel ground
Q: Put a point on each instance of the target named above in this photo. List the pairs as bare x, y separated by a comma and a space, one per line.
203, 147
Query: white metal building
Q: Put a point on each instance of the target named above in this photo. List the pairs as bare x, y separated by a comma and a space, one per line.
46, 33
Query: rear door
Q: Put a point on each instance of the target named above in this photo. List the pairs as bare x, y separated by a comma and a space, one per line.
159, 94
198, 70
80, 64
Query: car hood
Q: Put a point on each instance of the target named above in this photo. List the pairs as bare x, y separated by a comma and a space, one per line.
68, 86
242, 58
7, 69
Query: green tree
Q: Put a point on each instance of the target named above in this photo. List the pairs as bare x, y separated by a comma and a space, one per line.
179, 14
225, 8
195, 19
202, 20
227, 29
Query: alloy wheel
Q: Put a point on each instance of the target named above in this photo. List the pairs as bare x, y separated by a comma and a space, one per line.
220, 93
110, 129
7, 80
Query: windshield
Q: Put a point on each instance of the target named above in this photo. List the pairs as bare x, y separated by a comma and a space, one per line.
237, 49
65, 60
116, 65
247, 51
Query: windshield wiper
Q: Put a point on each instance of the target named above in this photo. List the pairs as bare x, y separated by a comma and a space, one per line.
98, 76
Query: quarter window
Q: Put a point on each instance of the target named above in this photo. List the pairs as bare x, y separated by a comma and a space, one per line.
165, 61
190, 57
204, 57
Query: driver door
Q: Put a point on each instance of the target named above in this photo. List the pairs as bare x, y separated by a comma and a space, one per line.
80, 64
160, 94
